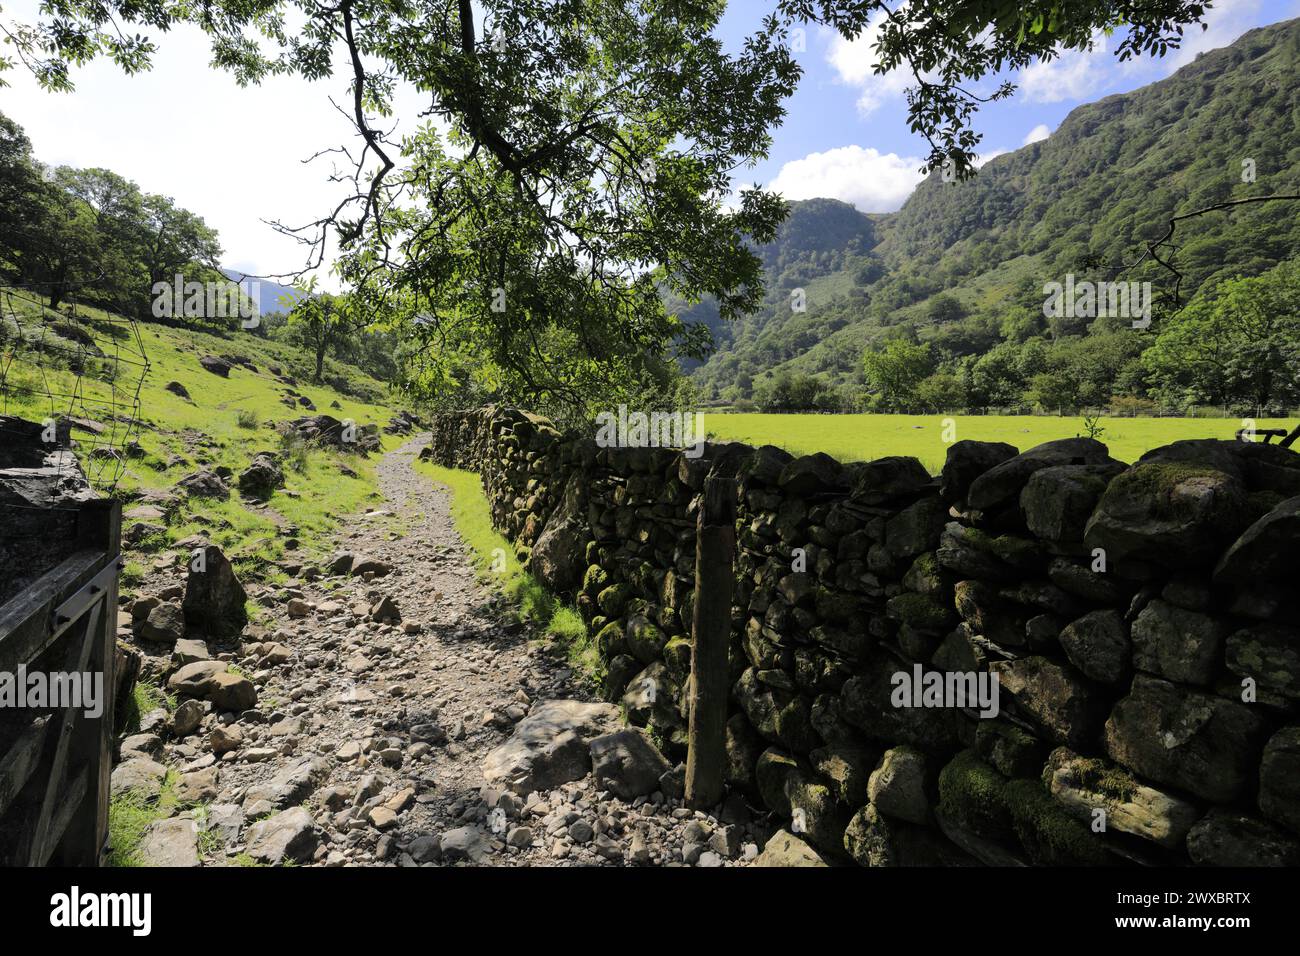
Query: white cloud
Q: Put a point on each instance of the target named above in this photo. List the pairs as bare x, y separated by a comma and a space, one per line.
870, 180
1074, 75
1225, 22
185, 130
1037, 134
854, 62
1081, 75
983, 158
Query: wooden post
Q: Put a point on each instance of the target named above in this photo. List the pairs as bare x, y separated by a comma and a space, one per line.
715, 548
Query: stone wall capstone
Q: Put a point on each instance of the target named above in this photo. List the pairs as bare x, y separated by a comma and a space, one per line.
1141, 622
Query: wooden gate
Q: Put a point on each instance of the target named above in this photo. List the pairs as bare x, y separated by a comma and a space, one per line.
55, 763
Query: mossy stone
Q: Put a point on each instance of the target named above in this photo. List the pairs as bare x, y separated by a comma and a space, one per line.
1049, 834
973, 793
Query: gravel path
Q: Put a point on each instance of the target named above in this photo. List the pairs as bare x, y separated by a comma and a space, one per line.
368, 738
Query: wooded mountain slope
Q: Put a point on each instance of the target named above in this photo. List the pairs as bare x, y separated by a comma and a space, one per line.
962, 265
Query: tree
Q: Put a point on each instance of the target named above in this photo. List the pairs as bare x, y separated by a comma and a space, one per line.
19, 190
895, 371
62, 250
319, 322
941, 392
944, 309
1238, 342
172, 239
796, 392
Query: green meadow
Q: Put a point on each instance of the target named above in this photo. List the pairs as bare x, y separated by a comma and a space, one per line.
225, 421
866, 437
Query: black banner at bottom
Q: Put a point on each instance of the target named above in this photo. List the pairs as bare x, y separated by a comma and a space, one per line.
152, 906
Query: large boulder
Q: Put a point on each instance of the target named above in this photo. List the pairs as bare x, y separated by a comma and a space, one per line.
232, 692
288, 787
786, 849
141, 776
886, 479
897, 786
916, 528
1056, 696
165, 624
1270, 654
1098, 644
173, 842
214, 598
966, 461
196, 679
1203, 744
291, 836
873, 839
1225, 838
778, 714
262, 476
1279, 779
204, 484
867, 700
215, 365
1058, 501
1084, 785
627, 764
1167, 514
847, 770
810, 475
1259, 567
549, 747
1002, 484
1178, 644
814, 811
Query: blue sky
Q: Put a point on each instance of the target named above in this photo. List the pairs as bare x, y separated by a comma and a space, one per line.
236, 156
846, 131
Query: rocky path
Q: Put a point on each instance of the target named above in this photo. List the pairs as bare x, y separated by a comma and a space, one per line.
403, 717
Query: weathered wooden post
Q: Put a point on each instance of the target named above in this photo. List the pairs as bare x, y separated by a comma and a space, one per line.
715, 547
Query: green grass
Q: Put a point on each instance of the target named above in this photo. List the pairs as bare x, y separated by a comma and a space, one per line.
129, 816
227, 421
867, 437
495, 558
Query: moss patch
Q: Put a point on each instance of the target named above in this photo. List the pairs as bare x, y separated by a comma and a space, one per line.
1097, 776
973, 793
1050, 836
1155, 481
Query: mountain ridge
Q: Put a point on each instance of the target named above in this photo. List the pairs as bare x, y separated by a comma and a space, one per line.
1085, 201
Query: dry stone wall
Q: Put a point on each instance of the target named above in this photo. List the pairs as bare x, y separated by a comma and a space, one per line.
1141, 623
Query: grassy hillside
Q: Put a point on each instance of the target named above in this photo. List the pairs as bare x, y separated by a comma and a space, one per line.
225, 422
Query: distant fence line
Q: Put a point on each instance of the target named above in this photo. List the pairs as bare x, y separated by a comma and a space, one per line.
1194, 411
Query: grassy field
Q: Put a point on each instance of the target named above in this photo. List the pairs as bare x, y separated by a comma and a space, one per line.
866, 437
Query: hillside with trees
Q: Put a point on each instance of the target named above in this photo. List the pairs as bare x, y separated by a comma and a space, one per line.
957, 275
